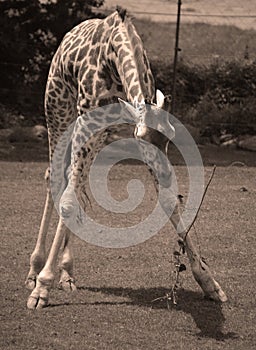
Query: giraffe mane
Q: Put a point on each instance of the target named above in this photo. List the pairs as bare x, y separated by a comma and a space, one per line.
140, 57
122, 12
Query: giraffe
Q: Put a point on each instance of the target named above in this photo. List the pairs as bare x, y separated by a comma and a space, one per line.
99, 62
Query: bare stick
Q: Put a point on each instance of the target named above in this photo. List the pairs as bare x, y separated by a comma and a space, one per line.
201, 202
200, 269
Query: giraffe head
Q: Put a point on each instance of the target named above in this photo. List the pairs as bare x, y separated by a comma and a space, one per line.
149, 117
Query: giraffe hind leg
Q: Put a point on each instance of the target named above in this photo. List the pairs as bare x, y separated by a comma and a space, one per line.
40, 295
41, 274
37, 259
67, 280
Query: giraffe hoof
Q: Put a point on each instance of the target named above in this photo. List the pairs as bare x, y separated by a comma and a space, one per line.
36, 303
38, 299
67, 285
30, 283
217, 295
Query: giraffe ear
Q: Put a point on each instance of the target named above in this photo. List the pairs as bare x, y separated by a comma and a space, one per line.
126, 105
159, 99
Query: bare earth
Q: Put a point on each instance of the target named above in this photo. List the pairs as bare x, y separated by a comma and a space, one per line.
113, 307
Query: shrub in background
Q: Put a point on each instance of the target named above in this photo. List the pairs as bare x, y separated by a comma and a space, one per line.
31, 31
214, 98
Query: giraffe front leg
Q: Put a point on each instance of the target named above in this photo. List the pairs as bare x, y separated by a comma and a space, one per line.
40, 295
67, 280
37, 259
168, 201
200, 269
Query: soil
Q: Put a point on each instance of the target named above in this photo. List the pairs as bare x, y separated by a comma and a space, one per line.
113, 307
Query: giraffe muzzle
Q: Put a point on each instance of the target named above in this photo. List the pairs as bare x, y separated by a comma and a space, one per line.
140, 130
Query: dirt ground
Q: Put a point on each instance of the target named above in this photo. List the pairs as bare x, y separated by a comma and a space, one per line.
113, 307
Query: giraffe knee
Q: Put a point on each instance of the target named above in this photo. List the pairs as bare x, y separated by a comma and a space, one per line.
68, 205
67, 210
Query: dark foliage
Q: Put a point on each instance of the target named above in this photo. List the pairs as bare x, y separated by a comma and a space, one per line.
217, 98
31, 31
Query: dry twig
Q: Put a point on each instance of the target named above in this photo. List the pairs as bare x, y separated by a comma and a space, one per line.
179, 267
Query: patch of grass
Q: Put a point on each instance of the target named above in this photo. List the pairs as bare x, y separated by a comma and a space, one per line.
200, 43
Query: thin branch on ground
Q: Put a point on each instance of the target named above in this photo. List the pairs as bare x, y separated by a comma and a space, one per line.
201, 202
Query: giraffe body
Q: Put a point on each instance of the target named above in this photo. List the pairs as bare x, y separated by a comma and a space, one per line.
99, 62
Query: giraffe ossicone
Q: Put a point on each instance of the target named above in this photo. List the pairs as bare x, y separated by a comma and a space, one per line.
97, 62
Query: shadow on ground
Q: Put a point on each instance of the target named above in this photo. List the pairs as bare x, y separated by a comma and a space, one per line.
207, 314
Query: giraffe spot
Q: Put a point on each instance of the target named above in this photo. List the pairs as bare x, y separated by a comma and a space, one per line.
75, 44
128, 65
122, 54
129, 78
118, 37
93, 59
99, 84
65, 95
78, 138
97, 51
110, 20
134, 90
53, 94
61, 103
50, 85
114, 73
103, 102
110, 119
58, 84
89, 78
97, 35
92, 126
85, 105
82, 53
84, 152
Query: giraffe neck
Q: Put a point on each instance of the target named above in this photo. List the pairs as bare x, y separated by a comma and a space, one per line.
126, 55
